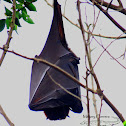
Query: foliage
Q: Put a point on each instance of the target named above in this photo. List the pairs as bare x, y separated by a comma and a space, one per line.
22, 8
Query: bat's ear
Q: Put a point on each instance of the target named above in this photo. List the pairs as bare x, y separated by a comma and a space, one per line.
75, 60
36, 56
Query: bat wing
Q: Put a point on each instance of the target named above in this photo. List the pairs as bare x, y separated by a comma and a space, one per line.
45, 94
54, 48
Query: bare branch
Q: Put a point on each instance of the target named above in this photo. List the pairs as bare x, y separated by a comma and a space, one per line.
120, 3
98, 35
88, 103
5, 116
113, 108
105, 50
112, 6
100, 111
123, 55
64, 7
63, 88
109, 5
99, 91
110, 17
54, 66
83, 35
10, 32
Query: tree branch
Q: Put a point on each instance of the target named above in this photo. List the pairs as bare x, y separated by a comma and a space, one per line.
88, 100
120, 3
88, 32
5, 116
111, 18
113, 108
54, 66
105, 50
99, 91
63, 87
112, 6
83, 35
10, 32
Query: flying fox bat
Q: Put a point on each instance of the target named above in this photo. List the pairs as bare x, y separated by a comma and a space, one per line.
45, 94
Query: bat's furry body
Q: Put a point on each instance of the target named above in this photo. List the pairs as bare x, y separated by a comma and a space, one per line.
45, 94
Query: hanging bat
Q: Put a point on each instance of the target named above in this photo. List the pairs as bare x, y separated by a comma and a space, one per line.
45, 94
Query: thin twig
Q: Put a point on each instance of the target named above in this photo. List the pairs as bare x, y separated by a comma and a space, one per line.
64, 88
113, 108
99, 91
110, 17
120, 3
88, 99
112, 6
88, 103
123, 55
74, 79
10, 32
87, 50
64, 7
105, 50
109, 5
5, 116
100, 111
92, 82
95, 22
83, 35
54, 66
98, 35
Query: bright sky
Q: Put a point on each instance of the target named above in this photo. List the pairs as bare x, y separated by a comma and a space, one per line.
15, 71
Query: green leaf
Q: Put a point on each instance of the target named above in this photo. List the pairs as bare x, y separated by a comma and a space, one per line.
19, 6
26, 16
18, 14
29, 20
15, 27
17, 22
9, 1
29, 1
30, 6
8, 12
8, 22
2, 24
24, 10
20, 1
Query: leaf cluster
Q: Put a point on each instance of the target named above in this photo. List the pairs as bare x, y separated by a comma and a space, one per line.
22, 8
